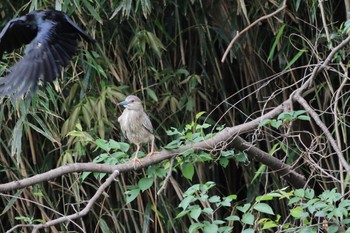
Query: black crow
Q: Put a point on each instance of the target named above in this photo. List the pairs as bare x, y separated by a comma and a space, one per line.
52, 40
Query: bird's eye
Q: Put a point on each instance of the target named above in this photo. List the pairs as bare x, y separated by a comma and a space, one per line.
132, 101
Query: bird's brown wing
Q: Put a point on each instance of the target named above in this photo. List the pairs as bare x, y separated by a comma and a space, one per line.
147, 124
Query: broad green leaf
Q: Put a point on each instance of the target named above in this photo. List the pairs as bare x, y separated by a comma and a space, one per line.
195, 212
269, 225
244, 208
248, 219
297, 212
208, 210
195, 227
186, 201
214, 199
210, 228
131, 195
249, 230
101, 143
145, 183
232, 218
263, 208
264, 122
188, 171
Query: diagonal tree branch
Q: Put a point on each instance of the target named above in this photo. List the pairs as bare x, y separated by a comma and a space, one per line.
220, 141
37, 227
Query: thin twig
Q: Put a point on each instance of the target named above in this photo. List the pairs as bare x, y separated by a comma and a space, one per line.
166, 180
325, 130
239, 33
82, 213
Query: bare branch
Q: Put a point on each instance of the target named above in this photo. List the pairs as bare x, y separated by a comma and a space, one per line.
229, 134
167, 178
239, 33
325, 130
83, 212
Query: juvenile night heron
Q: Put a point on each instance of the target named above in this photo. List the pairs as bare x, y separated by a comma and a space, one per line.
135, 124
51, 38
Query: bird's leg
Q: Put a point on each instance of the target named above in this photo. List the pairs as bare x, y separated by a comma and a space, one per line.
136, 159
152, 149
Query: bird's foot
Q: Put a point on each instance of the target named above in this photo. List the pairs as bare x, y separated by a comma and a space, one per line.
136, 159
152, 153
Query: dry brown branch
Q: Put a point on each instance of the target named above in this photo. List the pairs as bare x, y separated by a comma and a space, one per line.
325, 130
229, 134
37, 227
239, 33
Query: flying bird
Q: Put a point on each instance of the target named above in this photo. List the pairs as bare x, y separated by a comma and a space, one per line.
136, 125
51, 38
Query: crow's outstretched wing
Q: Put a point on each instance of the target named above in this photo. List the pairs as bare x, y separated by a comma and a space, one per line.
46, 54
15, 34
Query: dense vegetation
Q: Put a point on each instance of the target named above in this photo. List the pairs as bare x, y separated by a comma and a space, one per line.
169, 54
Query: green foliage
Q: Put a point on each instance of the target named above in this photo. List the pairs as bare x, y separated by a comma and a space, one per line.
285, 118
204, 216
168, 53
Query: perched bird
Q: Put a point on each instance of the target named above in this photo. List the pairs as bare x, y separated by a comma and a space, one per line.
135, 124
52, 40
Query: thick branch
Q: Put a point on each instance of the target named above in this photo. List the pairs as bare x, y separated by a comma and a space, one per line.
283, 170
217, 142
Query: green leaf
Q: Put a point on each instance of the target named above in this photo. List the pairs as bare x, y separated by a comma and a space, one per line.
84, 175
101, 143
248, 219
224, 162
145, 183
208, 210
181, 214
188, 171
186, 201
195, 212
267, 197
131, 195
304, 118
214, 199
92, 11
249, 230
210, 228
269, 225
276, 124
264, 122
152, 94
232, 218
263, 208
295, 58
274, 45
244, 208
104, 226
195, 227
100, 158
198, 115
297, 212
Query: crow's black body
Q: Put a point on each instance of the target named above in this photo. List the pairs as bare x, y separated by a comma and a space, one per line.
52, 40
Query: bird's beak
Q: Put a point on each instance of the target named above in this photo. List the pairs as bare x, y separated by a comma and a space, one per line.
123, 103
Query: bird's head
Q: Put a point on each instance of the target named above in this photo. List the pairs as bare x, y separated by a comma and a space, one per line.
132, 103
